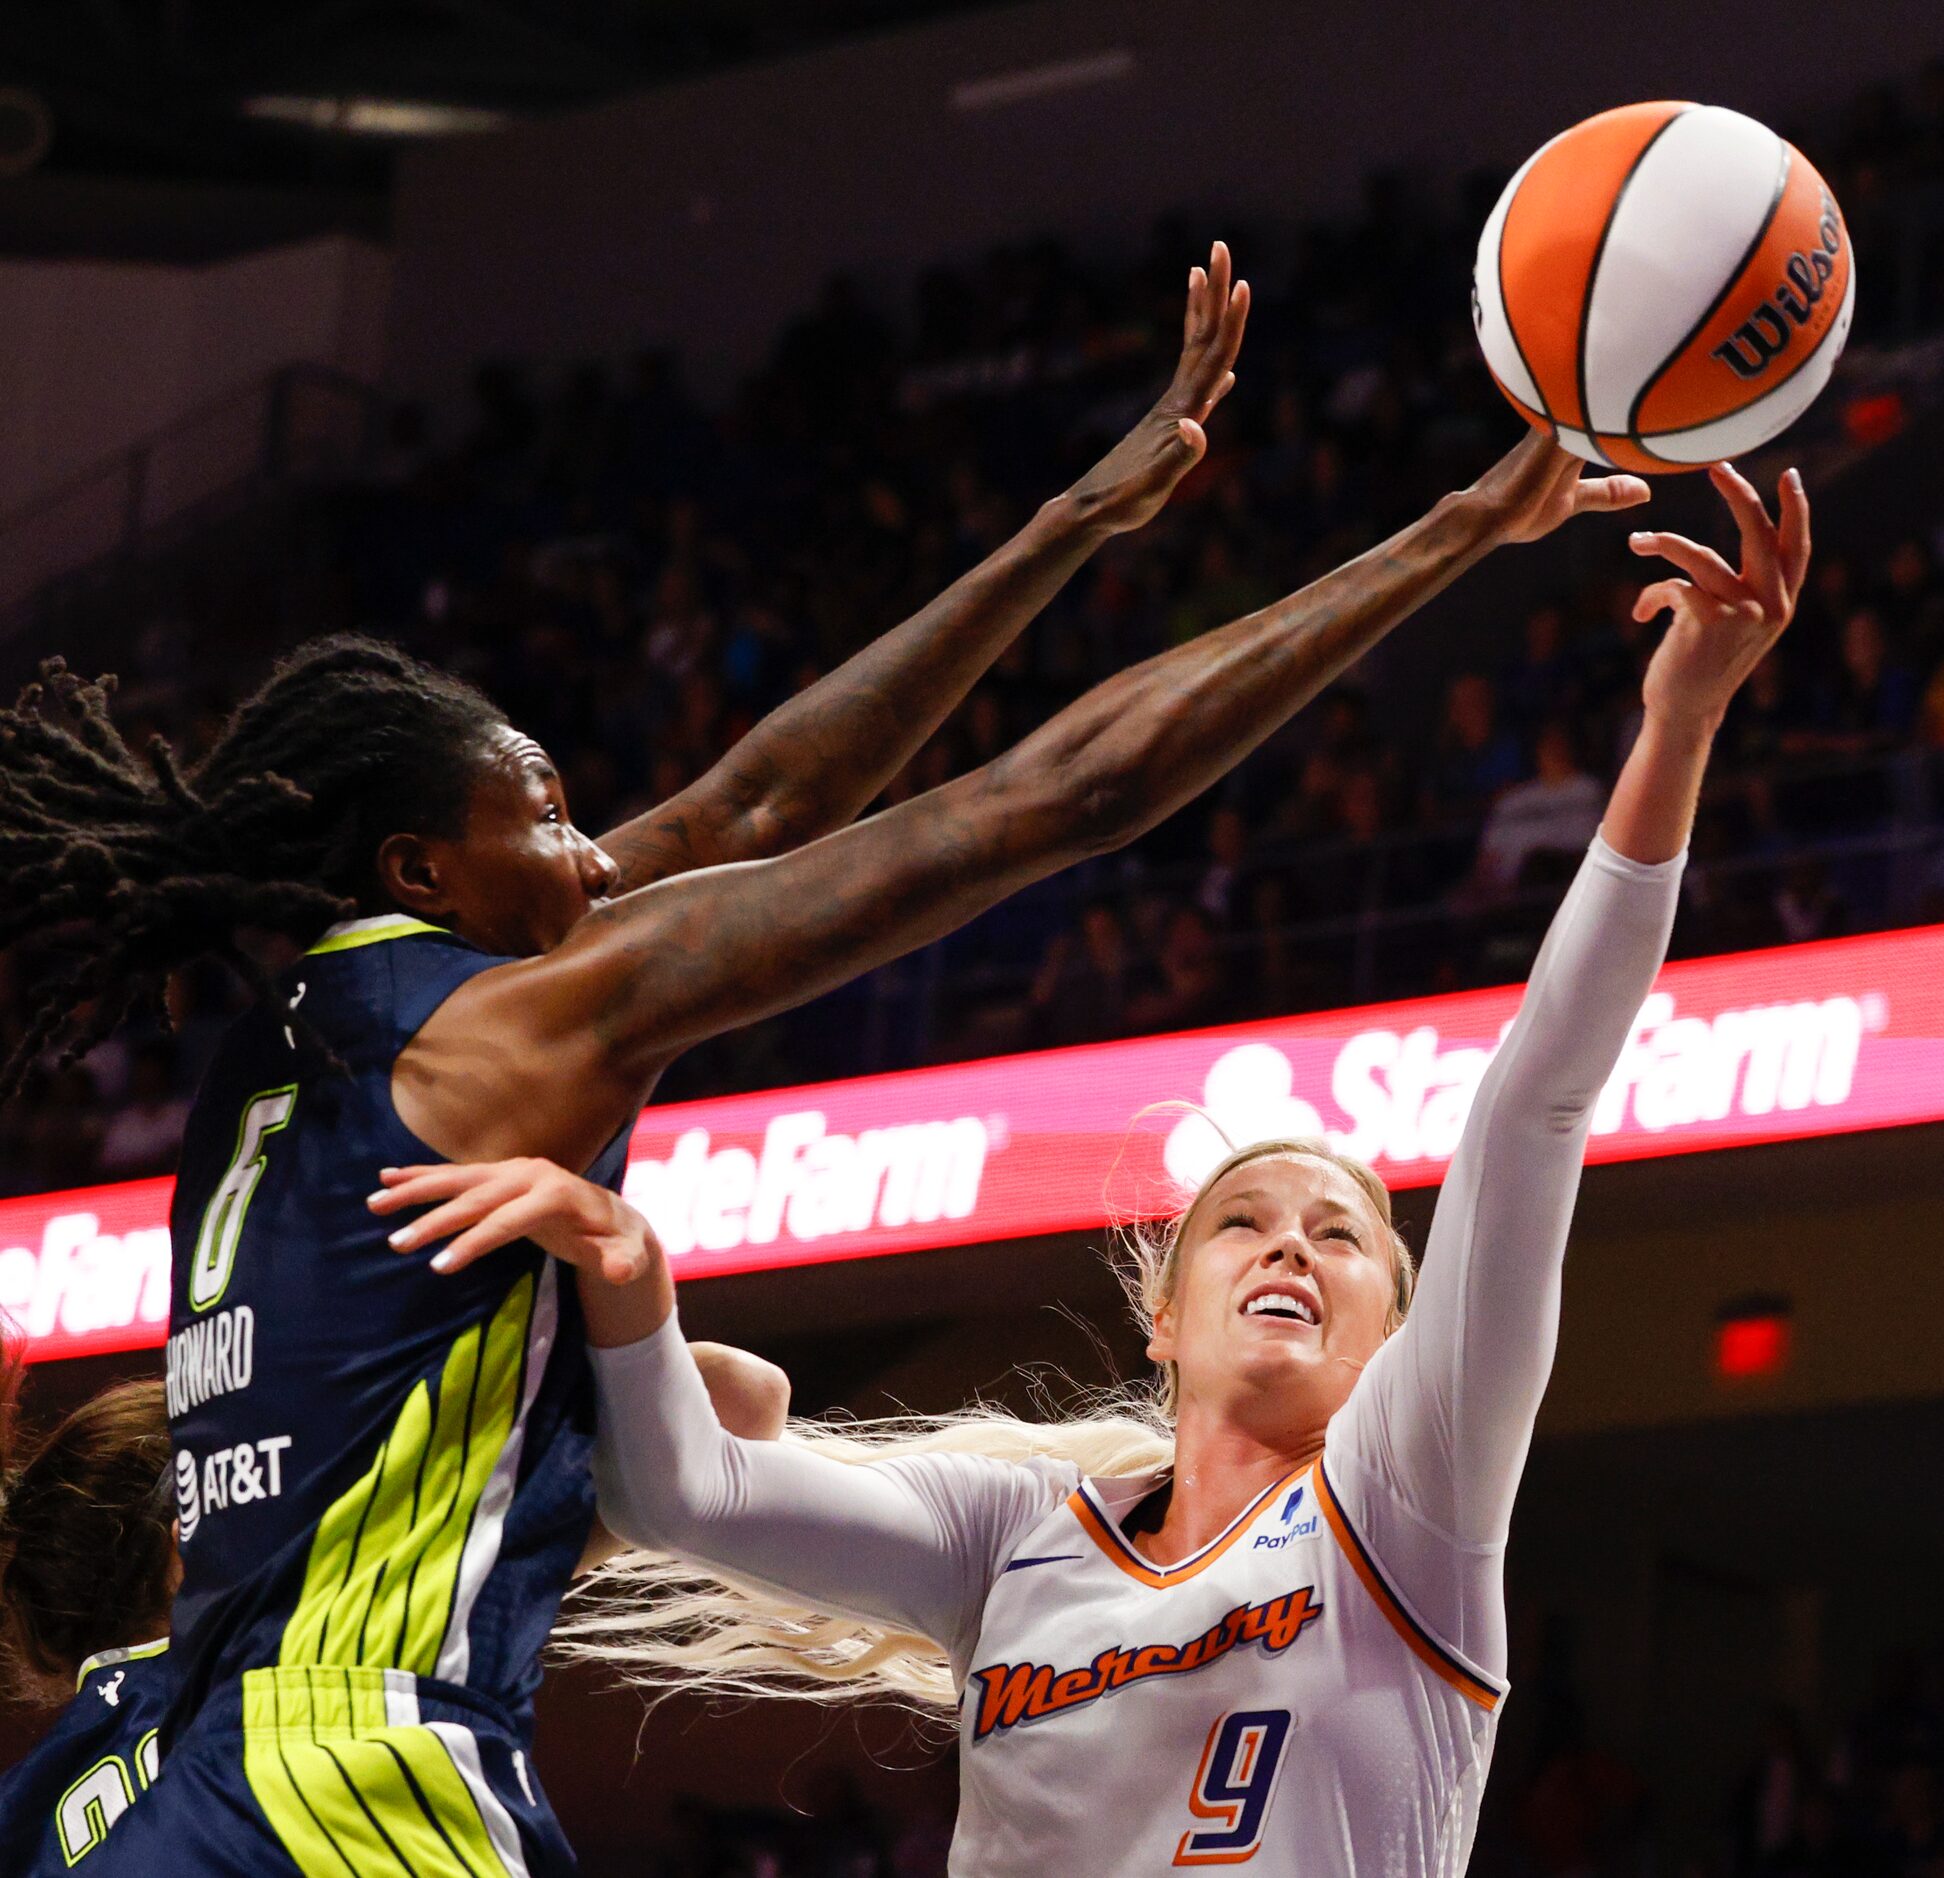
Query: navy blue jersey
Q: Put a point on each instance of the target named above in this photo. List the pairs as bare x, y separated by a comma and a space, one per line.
58, 1804
378, 1468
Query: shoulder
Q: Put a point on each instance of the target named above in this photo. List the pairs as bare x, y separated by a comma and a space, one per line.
987, 1503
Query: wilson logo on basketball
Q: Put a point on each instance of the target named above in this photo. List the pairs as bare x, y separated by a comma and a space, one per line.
1765, 335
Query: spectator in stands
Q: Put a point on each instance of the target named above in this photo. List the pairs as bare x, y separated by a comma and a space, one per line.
1087, 980
1539, 687
1473, 758
1870, 702
1556, 813
61, 1142
1219, 891
1194, 982
142, 1136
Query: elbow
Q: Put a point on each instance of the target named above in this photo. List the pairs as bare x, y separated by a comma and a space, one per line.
1062, 803
1108, 812
1095, 807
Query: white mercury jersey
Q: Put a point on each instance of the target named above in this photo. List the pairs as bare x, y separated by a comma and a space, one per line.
1315, 1693
1269, 1700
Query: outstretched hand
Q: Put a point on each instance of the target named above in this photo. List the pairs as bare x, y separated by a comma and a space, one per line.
1536, 486
1129, 485
482, 1206
1725, 619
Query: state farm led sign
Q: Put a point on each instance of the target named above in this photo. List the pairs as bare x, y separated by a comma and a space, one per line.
1767, 1046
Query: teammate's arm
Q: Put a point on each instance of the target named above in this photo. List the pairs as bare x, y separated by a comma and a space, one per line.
571, 1039
1444, 1416
816, 761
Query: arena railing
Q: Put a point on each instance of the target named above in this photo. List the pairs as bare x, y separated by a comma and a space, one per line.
1877, 841
299, 424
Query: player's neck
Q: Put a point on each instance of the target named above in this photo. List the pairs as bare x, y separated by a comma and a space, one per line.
1219, 1470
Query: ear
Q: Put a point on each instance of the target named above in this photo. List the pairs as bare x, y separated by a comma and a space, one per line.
1161, 1345
410, 873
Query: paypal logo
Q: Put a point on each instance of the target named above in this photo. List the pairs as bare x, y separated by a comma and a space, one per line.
1293, 1528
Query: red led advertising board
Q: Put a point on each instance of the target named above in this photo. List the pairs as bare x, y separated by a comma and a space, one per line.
1829, 1038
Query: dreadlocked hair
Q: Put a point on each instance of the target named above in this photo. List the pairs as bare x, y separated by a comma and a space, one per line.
145, 866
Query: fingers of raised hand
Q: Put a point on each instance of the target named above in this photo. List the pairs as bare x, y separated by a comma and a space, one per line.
1700, 564
1191, 319
1663, 596
1599, 493
1794, 502
1761, 546
1218, 316
1221, 271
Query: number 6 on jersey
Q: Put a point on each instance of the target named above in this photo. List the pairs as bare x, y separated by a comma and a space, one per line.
1233, 1787
222, 1220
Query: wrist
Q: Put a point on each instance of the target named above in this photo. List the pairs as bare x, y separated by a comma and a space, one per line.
1473, 517
1069, 518
1683, 730
618, 1315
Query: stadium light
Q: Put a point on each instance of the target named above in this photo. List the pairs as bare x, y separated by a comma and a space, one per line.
376, 117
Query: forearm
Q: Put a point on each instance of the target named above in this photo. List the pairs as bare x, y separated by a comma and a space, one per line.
1149, 740
819, 759
858, 1539
656, 971
1454, 1402
1651, 813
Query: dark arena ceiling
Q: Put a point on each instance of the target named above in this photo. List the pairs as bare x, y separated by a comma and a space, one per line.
320, 93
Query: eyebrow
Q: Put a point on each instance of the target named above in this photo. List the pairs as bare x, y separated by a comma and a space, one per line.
1242, 1196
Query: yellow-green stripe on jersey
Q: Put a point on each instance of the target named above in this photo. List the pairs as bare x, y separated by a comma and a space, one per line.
356, 1787
381, 1470
384, 1584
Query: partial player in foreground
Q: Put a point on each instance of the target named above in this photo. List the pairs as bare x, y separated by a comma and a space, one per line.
87, 1572
1260, 1616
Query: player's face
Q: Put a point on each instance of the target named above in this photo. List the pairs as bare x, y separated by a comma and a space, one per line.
1283, 1288
521, 876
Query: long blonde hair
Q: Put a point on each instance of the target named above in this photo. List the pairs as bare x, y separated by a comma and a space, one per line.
667, 1625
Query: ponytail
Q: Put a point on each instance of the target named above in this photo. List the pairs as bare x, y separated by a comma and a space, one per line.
667, 1625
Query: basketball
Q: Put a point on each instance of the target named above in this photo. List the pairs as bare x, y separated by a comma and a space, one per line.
1664, 285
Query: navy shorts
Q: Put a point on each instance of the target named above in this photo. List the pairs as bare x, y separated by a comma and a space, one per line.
341, 1773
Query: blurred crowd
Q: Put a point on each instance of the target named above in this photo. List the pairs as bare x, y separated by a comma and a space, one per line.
639, 576
1864, 1800
1867, 1801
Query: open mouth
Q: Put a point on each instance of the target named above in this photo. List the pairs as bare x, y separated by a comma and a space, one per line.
1289, 1307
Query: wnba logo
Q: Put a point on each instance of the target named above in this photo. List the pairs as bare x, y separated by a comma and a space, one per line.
1750, 348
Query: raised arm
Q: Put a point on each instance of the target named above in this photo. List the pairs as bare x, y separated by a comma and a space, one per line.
818, 760
1441, 1420
568, 1042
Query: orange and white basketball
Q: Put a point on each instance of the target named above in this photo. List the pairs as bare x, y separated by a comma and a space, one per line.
1663, 286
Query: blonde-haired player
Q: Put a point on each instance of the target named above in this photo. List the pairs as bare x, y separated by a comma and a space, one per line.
1282, 1638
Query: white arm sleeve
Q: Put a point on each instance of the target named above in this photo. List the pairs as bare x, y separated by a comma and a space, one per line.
1427, 1452
914, 1541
